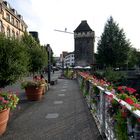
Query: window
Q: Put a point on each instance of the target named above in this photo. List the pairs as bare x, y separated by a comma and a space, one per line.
0, 26
0, 8
17, 34
12, 20
2, 13
3, 29
13, 33
8, 32
21, 27
16, 23
8, 17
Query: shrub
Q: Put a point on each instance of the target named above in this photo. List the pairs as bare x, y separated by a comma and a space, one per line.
13, 60
115, 77
37, 54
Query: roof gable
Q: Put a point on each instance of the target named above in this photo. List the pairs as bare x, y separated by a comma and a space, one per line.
83, 27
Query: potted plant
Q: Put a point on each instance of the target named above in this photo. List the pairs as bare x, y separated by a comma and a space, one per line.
33, 89
8, 100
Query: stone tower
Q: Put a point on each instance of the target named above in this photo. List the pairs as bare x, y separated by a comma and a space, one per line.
84, 44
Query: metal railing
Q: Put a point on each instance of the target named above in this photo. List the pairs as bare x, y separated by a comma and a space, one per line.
98, 105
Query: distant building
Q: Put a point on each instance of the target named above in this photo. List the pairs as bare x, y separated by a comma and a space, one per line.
35, 35
64, 53
84, 44
62, 56
58, 63
69, 60
11, 22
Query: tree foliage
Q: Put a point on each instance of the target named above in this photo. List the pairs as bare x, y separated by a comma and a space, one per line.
113, 48
37, 54
134, 58
38, 59
13, 60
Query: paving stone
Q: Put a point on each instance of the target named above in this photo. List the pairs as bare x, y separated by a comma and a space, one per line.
63, 89
52, 115
58, 102
61, 95
42, 120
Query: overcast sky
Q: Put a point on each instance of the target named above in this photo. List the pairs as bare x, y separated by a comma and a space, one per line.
44, 16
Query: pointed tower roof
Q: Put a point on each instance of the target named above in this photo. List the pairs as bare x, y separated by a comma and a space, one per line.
83, 27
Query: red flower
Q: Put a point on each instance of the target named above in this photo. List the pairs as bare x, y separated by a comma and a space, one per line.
121, 89
129, 101
131, 90
138, 119
124, 114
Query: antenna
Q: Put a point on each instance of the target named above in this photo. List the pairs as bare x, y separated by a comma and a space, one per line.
65, 31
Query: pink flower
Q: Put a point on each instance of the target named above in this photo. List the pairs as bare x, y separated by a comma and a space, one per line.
113, 91
5, 101
136, 105
109, 97
1, 98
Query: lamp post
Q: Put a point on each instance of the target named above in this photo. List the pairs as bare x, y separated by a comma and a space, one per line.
63, 67
49, 62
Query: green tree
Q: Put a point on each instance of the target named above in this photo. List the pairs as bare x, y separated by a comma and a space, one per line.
138, 58
13, 60
113, 48
134, 58
38, 59
37, 54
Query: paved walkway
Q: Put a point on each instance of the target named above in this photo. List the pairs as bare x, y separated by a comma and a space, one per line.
62, 114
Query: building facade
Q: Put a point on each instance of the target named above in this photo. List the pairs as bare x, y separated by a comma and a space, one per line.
11, 23
84, 45
69, 60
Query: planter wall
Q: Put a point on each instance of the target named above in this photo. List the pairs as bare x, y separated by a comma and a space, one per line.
34, 93
4, 117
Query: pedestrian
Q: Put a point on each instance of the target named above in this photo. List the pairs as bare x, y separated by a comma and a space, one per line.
53, 71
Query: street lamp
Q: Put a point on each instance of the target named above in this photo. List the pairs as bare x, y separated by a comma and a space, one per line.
48, 48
